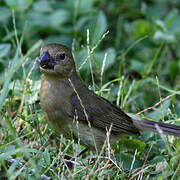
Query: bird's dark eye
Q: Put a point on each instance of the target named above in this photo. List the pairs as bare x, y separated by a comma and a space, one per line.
61, 56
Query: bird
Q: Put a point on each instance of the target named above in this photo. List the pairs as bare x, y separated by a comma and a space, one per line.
77, 112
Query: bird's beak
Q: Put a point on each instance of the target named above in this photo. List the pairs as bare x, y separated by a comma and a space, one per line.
44, 57
46, 61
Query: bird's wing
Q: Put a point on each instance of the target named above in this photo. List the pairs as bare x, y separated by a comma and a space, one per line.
101, 113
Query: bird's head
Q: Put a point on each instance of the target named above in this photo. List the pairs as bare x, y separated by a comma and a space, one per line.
56, 59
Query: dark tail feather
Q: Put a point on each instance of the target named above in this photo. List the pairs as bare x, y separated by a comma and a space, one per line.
159, 127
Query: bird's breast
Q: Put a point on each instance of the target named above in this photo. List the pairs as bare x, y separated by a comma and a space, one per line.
54, 103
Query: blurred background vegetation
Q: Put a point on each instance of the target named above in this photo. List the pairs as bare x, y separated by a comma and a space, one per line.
127, 51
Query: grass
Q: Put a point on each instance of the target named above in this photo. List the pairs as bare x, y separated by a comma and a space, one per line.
29, 148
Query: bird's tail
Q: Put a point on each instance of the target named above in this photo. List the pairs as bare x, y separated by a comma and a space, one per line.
159, 127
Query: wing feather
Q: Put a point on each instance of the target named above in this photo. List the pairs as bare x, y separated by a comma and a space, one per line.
101, 113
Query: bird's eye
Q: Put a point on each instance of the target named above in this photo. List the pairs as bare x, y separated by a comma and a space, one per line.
62, 56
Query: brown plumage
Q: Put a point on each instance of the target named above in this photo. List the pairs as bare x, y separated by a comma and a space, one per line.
66, 101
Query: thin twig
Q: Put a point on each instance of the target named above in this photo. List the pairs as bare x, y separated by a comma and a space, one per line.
141, 171
25, 88
19, 120
157, 104
84, 111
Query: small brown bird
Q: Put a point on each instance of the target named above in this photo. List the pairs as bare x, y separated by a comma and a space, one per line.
66, 101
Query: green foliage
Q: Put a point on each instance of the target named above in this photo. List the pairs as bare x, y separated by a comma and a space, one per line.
127, 51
